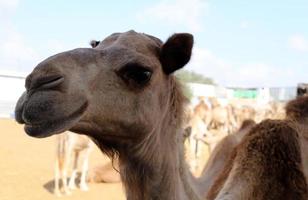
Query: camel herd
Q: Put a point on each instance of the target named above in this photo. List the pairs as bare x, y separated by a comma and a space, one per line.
210, 121
122, 94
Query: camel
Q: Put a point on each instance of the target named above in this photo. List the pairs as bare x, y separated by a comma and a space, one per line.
70, 147
220, 154
302, 89
271, 161
222, 118
123, 94
243, 113
107, 173
199, 122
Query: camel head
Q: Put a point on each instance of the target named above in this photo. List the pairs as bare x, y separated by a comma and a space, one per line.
119, 89
297, 110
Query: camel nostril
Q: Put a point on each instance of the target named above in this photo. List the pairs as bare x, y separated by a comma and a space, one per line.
47, 82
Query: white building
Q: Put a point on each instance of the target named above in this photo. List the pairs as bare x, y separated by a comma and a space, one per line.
11, 87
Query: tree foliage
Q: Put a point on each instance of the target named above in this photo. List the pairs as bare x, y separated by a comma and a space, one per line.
193, 77
187, 91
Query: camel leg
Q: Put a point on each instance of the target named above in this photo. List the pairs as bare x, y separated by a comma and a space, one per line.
57, 178
193, 155
192, 145
196, 153
64, 181
84, 172
63, 172
72, 181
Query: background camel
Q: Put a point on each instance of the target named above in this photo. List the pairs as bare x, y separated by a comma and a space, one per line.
209, 125
107, 173
72, 149
271, 161
219, 117
199, 121
221, 154
302, 89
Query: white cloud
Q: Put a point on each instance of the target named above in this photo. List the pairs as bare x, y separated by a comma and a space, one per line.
15, 53
14, 47
298, 42
244, 24
6, 7
8, 3
186, 13
244, 75
206, 62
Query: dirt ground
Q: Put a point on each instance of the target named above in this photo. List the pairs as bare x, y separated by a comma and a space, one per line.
27, 166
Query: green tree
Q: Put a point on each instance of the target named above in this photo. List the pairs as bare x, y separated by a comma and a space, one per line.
187, 91
193, 77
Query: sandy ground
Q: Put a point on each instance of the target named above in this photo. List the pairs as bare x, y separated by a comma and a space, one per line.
27, 166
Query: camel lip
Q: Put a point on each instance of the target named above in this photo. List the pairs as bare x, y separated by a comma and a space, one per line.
36, 131
48, 128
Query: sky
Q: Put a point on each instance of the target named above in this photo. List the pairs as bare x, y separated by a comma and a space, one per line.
237, 43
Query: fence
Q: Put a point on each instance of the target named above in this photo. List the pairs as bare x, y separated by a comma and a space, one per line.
261, 94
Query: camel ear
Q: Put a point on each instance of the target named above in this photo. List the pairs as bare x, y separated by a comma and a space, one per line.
298, 108
176, 52
94, 43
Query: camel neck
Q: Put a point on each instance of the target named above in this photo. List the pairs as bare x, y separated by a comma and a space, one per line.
156, 170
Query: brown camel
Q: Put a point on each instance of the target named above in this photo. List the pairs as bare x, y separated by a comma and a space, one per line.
271, 162
220, 155
123, 94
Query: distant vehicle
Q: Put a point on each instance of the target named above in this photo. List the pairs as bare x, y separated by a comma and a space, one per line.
302, 89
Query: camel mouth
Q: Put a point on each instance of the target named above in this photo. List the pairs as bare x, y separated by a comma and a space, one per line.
51, 127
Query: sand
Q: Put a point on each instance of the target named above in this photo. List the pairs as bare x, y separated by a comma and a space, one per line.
27, 169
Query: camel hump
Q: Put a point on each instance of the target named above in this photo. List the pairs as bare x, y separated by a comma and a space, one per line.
273, 150
269, 156
298, 108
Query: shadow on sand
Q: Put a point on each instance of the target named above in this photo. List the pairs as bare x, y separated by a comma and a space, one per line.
50, 185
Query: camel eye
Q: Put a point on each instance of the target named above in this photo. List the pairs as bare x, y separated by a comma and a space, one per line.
135, 73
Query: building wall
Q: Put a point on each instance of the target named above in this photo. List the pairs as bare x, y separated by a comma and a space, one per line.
262, 95
11, 88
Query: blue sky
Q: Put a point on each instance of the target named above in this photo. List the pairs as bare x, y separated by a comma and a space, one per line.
237, 43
